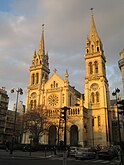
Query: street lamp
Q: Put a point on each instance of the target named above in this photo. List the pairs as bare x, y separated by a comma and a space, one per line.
18, 91
115, 93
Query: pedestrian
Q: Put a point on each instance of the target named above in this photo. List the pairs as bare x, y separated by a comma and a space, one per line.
54, 149
7, 146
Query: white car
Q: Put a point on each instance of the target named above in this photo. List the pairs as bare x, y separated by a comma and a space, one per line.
84, 153
72, 151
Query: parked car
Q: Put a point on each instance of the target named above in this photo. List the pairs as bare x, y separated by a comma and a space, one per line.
72, 151
28, 147
85, 153
106, 154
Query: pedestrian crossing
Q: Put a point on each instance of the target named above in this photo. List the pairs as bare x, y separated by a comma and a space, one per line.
111, 162
94, 161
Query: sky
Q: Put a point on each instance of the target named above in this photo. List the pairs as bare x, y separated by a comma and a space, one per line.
67, 23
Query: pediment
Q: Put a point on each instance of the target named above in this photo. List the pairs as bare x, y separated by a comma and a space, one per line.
54, 81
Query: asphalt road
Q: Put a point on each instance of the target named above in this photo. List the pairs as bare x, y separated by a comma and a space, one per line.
55, 161
48, 158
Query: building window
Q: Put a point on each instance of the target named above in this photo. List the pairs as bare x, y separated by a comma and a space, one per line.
63, 98
92, 97
99, 122
37, 78
92, 48
90, 68
97, 96
34, 103
33, 79
97, 49
96, 66
56, 85
37, 62
31, 104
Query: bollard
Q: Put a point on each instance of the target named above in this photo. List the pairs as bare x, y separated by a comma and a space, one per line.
45, 151
64, 158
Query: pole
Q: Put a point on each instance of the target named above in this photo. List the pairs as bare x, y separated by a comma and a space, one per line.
65, 129
119, 132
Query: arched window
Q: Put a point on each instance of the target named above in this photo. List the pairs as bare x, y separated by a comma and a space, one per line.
33, 79
92, 97
34, 103
90, 68
92, 48
97, 96
31, 104
63, 98
99, 121
54, 84
97, 49
96, 66
37, 62
37, 78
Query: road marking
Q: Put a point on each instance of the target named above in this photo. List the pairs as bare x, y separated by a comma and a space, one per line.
95, 161
106, 161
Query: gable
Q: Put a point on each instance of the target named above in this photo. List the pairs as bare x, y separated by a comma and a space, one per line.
54, 82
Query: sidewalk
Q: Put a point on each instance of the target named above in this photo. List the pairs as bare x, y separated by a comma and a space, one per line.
25, 155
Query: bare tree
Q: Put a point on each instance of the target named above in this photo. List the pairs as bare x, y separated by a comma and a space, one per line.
36, 122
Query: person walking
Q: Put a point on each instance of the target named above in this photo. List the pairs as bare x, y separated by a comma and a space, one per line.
7, 146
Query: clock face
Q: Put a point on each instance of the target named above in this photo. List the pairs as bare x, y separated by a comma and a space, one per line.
53, 100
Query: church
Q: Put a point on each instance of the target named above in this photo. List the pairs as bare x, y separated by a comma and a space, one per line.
87, 121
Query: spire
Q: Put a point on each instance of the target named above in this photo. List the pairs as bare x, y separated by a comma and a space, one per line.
66, 74
41, 50
87, 40
35, 54
93, 31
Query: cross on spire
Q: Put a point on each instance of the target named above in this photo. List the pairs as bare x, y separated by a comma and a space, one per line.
55, 70
92, 10
42, 27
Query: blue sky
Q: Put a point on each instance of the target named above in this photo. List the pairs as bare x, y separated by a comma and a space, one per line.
67, 23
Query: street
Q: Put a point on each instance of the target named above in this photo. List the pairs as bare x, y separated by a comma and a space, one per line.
48, 158
55, 161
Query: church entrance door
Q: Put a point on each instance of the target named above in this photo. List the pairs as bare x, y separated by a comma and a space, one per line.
74, 135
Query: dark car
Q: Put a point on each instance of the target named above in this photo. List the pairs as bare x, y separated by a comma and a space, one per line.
28, 147
106, 154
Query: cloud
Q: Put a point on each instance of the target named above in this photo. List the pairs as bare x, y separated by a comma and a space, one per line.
67, 23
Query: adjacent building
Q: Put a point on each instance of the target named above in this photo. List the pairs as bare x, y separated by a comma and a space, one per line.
4, 100
121, 65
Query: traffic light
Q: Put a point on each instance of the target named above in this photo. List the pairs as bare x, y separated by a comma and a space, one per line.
63, 114
121, 107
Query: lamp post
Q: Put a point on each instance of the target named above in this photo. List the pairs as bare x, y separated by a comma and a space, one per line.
18, 91
115, 93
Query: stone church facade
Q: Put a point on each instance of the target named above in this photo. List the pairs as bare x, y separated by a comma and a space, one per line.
87, 117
